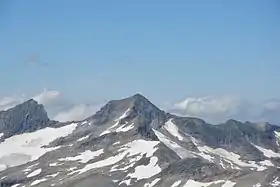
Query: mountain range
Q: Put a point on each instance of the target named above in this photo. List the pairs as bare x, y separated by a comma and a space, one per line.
131, 142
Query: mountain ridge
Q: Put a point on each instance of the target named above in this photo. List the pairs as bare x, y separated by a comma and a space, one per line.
131, 142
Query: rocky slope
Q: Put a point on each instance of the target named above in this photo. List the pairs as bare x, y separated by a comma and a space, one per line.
130, 142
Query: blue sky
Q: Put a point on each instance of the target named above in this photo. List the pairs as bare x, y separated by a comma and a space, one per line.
99, 50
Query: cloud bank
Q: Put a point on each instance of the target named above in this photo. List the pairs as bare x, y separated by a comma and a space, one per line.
211, 109
219, 109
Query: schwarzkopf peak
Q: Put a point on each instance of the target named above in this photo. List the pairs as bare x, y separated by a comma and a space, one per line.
131, 142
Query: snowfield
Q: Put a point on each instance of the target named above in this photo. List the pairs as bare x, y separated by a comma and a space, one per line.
23, 148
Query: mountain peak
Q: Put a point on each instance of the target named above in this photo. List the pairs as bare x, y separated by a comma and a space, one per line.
26, 117
141, 111
138, 96
30, 102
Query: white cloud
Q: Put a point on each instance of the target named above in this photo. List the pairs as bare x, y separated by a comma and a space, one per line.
9, 102
220, 109
77, 112
56, 105
48, 97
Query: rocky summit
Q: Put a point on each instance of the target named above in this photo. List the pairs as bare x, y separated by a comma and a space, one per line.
131, 142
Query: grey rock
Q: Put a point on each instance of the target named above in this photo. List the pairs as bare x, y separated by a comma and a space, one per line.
26, 117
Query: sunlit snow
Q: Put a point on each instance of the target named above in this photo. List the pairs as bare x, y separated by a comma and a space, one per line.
176, 183
38, 182
103, 163
137, 147
180, 151
275, 182
232, 158
117, 121
267, 152
34, 173
15, 185
127, 182
27, 147
144, 172
277, 136
83, 138
53, 164
257, 185
125, 114
125, 129
173, 129
84, 157
229, 184
193, 183
151, 184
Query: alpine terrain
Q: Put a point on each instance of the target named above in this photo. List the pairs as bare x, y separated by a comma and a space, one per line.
131, 142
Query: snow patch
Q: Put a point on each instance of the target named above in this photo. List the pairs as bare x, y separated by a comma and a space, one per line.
257, 185
1, 134
115, 168
127, 182
125, 114
34, 173
229, 184
176, 183
84, 157
144, 172
173, 129
103, 163
117, 143
15, 185
277, 136
275, 182
232, 158
53, 175
180, 151
140, 147
83, 138
267, 152
151, 184
193, 183
266, 163
38, 182
3, 177
125, 129
53, 164
110, 129
29, 146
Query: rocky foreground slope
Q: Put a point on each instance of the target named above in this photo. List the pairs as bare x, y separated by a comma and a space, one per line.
130, 142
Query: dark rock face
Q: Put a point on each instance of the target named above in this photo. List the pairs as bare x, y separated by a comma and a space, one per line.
145, 114
26, 117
